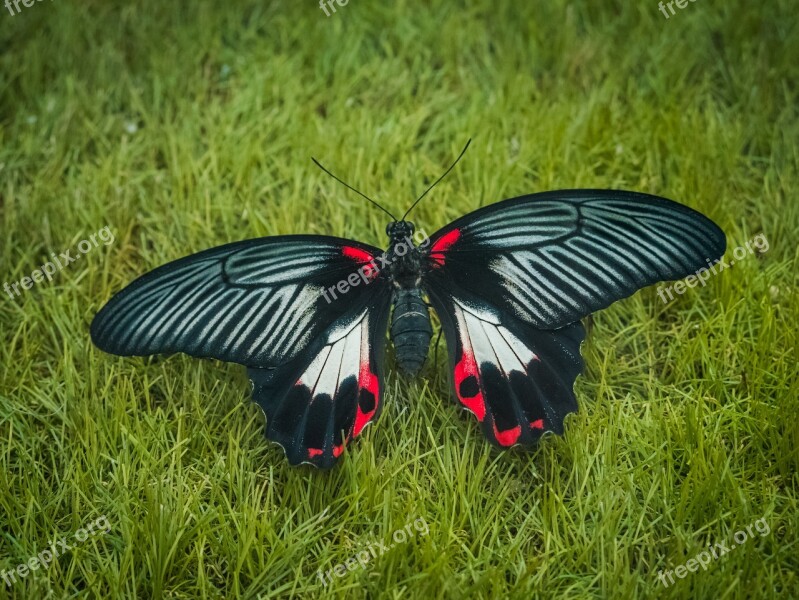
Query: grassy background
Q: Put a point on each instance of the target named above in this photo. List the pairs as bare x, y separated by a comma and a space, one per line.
184, 125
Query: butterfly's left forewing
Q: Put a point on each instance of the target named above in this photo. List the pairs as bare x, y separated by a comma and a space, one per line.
257, 302
306, 314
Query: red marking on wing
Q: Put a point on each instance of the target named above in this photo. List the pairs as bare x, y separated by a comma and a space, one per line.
369, 382
337, 450
358, 255
439, 249
370, 271
539, 424
509, 436
466, 367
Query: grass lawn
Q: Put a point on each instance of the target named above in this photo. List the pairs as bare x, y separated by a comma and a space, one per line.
184, 125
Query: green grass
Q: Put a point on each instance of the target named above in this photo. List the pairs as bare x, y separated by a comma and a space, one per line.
184, 125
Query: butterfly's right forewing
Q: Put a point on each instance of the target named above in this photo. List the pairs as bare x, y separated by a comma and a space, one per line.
553, 258
511, 281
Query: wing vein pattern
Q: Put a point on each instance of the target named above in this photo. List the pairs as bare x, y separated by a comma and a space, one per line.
553, 258
257, 302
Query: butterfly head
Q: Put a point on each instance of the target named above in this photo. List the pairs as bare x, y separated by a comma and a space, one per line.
399, 230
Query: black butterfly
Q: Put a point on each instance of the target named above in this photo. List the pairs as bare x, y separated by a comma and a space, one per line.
307, 314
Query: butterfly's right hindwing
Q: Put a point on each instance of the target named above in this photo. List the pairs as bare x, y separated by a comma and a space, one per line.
511, 281
517, 380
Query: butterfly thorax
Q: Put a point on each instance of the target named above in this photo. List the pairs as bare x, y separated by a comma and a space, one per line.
404, 264
411, 330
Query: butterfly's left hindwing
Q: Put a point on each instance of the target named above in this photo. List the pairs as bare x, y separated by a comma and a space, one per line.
322, 399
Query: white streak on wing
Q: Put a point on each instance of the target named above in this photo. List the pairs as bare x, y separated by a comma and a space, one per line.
270, 266
350, 363
525, 225
281, 296
155, 322
338, 360
279, 272
463, 330
215, 312
524, 354
299, 320
250, 301
508, 361
518, 285
601, 264
574, 277
554, 279
510, 271
328, 380
311, 374
245, 321
466, 336
465, 339
482, 325
155, 297
514, 240
480, 342
364, 355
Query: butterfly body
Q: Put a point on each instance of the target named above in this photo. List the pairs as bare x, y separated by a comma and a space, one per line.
405, 260
410, 328
307, 315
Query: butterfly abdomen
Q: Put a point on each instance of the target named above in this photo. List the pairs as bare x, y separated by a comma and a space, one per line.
411, 330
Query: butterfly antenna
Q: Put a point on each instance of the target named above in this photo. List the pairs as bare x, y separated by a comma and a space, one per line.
439, 179
347, 185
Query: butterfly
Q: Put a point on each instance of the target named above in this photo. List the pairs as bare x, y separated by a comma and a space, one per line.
308, 314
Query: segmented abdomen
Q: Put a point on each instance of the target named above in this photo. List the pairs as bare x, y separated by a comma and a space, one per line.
410, 329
